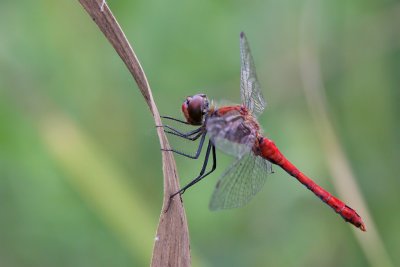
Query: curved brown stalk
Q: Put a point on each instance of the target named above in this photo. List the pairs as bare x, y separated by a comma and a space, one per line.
171, 247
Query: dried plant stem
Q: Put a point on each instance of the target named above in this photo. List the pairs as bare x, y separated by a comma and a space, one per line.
171, 246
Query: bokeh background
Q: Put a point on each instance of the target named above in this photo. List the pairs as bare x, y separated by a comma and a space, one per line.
80, 163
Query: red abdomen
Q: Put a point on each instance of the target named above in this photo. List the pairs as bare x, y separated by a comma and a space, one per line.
269, 151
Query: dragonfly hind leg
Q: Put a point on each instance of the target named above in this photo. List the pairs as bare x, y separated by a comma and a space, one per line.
202, 173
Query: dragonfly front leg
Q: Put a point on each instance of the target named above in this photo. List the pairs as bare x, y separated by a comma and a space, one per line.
199, 148
176, 132
173, 119
203, 169
188, 135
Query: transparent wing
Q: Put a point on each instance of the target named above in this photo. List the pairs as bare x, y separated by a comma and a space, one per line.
231, 133
240, 182
250, 89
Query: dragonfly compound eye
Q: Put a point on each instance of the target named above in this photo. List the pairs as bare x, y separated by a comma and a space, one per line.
196, 109
193, 109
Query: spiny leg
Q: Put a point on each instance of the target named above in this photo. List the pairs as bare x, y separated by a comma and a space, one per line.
173, 119
188, 135
196, 156
193, 138
203, 169
179, 133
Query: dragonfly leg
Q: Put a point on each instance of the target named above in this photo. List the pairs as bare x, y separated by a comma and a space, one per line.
192, 138
182, 133
173, 119
203, 169
187, 135
196, 156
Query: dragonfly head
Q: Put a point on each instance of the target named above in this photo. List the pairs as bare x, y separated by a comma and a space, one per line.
194, 108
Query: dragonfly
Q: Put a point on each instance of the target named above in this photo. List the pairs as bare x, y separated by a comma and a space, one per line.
234, 129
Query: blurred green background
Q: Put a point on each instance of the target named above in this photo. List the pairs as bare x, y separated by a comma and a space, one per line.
80, 163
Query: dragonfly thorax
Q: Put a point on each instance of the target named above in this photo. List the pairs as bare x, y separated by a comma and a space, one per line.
194, 109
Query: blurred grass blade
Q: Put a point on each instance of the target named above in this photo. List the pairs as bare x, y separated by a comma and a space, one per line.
100, 183
343, 178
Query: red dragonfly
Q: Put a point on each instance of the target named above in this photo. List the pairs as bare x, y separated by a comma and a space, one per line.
235, 130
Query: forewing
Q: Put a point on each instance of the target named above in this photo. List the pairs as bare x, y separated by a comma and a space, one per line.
250, 88
240, 182
231, 133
